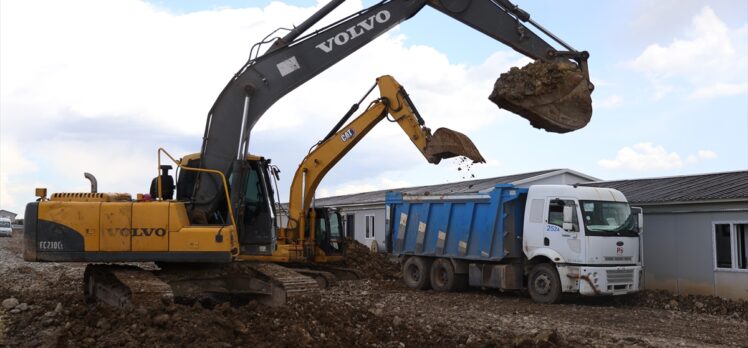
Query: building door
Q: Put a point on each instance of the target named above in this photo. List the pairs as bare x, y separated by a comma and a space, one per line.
350, 226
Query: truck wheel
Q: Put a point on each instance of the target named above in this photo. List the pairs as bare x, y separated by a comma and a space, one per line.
416, 273
443, 277
544, 284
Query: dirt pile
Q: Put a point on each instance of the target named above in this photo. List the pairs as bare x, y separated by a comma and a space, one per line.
374, 266
659, 299
344, 318
371, 313
554, 96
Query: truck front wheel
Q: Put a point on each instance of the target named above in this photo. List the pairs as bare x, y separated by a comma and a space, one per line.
416, 272
544, 284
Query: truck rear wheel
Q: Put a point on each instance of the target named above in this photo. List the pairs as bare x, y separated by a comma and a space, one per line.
544, 284
443, 277
416, 272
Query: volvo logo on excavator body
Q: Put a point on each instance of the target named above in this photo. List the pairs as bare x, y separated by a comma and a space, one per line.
355, 31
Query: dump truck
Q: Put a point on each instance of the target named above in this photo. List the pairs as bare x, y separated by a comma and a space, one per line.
547, 239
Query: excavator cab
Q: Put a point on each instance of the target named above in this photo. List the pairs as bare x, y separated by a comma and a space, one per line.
329, 231
255, 212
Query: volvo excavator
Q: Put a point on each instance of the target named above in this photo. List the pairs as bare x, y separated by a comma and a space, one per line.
220, 235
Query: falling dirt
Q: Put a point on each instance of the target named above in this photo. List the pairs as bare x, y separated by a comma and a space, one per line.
465, 165
554, 96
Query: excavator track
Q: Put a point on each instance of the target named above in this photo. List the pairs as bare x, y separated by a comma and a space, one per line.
267, 282
292, 282
327, 275
131, 287
125, 286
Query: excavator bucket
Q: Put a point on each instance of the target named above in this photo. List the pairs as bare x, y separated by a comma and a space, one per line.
446, 143
555, 96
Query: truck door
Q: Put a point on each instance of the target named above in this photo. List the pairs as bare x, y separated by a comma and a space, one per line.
566, 240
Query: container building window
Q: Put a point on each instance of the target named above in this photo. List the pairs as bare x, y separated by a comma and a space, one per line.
731, 246
741, 241
369, 226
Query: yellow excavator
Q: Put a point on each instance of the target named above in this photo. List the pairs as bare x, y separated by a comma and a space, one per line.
224, 210
316, 234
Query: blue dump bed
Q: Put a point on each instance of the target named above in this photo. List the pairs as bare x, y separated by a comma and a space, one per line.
475, 226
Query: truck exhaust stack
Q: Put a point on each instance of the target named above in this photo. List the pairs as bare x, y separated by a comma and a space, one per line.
446, 143
555, 96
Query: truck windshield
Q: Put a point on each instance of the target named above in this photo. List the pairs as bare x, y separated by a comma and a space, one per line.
603, 218
5, 224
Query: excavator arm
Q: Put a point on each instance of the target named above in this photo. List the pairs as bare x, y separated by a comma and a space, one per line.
394, 101
294, 59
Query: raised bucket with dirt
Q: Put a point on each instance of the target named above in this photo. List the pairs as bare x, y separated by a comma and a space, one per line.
555, 96
446, 143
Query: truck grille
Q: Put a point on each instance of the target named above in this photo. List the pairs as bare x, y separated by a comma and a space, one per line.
618, 258
620, 276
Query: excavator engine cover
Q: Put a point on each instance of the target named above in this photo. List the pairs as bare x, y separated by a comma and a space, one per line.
446, 143
554, 96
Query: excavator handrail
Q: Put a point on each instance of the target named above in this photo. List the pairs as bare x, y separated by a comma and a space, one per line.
211, 171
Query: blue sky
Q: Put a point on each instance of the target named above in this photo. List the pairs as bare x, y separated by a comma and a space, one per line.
99, 86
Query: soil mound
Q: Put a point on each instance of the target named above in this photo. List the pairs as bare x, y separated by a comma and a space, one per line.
374, 266
660, 299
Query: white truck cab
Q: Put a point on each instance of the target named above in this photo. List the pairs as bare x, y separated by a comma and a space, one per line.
6, 230
590, 234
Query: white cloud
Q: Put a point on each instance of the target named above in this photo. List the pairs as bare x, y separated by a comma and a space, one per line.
607, 103
700, 156
720, 90
12, 165
711, 60
647, 156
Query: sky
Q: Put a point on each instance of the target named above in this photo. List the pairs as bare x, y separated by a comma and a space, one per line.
98, 86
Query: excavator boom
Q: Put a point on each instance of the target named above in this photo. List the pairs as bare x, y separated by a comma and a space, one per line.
394, 101
295, 59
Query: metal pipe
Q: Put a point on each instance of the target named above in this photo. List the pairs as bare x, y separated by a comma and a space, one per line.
92, 179
554, 37
525, 17
306, 24
239, 152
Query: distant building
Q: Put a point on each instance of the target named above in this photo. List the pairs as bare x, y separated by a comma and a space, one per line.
7, 214
695, 232
363, 213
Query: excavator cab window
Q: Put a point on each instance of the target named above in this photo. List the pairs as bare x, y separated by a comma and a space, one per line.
257, 214
329, 231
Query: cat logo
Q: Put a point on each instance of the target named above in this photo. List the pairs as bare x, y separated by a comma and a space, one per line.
350, 133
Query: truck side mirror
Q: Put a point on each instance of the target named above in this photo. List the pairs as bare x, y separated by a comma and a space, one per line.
568, 211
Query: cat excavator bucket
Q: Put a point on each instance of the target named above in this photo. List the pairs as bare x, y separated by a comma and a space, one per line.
555, 96
446, 143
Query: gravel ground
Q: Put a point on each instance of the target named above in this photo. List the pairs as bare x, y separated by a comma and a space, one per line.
377, 312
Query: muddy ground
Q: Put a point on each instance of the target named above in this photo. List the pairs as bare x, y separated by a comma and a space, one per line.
377, 312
